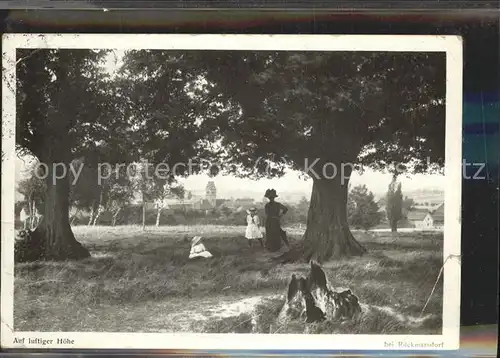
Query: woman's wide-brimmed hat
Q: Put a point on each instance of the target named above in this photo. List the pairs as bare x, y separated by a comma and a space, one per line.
195, 240
271, 193
252, 210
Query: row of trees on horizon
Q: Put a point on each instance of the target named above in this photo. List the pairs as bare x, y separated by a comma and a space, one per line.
111, 203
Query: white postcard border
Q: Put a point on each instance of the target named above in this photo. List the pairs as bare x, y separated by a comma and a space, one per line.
452, 45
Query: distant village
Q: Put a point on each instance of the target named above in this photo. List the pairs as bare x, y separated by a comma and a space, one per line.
206, 202
426, 210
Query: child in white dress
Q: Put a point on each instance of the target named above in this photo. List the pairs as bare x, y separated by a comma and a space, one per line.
253, 227
198, 249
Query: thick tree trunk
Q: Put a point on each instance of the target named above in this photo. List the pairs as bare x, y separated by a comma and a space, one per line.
54, 235
328, 235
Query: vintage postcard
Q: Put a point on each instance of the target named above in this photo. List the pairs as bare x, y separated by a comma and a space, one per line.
171, 191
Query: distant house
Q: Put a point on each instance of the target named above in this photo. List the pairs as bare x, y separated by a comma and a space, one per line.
206, 204
430, 204
438, 217
245, 202
195, 203
425, 219
221, 202
382, 202
189, 202
240, 204
420, 218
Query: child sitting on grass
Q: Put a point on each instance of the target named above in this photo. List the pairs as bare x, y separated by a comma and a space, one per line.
198, 249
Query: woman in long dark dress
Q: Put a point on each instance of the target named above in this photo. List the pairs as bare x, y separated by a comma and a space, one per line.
274, 211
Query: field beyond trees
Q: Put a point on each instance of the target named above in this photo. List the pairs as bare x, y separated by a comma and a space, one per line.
142, 281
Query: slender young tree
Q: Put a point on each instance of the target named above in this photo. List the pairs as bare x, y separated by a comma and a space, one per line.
169, 191
394, 208
120, 194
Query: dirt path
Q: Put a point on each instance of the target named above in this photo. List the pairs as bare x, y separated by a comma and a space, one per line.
186, 315
246, 305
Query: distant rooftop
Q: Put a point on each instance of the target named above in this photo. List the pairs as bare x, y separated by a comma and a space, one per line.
438, 214
417, 214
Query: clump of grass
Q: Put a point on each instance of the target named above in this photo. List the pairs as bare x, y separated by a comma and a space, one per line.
266, 313
373, 322
235, 324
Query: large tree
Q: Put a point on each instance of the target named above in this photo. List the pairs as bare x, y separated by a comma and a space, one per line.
65, 110
323, 112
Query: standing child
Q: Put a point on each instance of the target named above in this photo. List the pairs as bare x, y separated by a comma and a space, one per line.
253, 230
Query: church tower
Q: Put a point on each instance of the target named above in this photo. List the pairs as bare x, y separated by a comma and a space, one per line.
211, 193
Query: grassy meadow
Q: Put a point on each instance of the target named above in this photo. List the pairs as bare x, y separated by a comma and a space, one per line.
142, 281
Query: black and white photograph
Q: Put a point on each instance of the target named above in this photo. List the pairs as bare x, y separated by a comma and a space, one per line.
166, 191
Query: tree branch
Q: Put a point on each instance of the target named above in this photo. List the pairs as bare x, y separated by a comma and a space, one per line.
27, 57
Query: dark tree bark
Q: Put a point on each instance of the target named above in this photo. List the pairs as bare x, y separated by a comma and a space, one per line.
328, 235
53, 238
57, 241
60, 243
